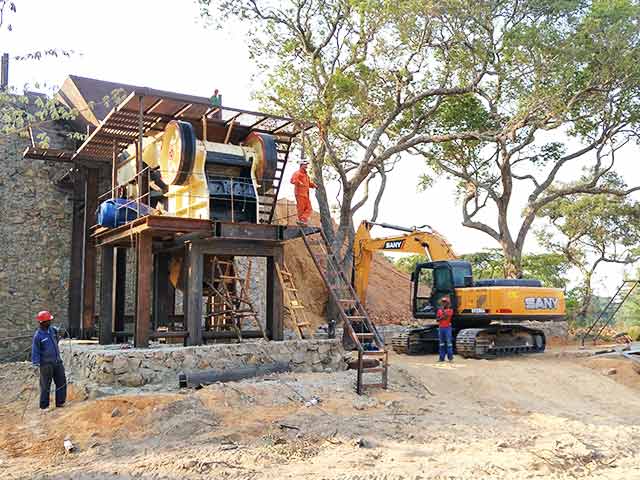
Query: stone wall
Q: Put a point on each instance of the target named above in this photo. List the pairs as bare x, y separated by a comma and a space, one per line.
111, 366
35, 228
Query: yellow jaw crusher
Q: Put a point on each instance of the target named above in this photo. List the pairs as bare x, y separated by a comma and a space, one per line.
481, 308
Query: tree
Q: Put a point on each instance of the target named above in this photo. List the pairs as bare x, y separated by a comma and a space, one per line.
589, 230
557, 71
370, 75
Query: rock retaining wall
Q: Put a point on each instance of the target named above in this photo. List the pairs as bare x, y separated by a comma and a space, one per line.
137, 367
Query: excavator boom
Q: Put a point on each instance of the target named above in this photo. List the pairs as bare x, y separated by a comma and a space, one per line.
414, 240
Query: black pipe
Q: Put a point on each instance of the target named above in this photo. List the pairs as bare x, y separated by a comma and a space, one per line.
207, 377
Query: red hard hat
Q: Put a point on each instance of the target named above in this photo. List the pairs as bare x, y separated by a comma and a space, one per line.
44, 316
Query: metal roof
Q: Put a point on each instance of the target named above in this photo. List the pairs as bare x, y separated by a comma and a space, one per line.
121, 126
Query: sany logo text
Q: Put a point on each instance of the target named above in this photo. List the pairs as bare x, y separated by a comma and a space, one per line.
393, 244
541, 303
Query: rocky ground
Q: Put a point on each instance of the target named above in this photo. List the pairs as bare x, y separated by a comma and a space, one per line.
544, 416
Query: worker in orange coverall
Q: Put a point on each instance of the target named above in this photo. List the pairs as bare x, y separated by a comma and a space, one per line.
302, 184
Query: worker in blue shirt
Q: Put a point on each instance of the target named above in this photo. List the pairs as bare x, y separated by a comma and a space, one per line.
45, 354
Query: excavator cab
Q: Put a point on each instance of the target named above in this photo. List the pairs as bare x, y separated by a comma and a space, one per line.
434, 280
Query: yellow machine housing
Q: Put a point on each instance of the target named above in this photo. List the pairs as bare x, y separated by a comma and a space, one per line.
203, 179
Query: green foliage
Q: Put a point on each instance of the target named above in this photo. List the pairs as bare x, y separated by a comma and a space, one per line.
407, 263
551, 269
589, 230
25, 113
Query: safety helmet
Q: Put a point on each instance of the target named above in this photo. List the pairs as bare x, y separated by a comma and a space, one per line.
445, 300
44, 316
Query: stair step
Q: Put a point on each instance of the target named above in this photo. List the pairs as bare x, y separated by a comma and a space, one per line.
368, 334
374, 353
373, 370
373, 385
304, 324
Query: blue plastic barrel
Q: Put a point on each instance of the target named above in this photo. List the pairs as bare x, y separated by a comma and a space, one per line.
118, 211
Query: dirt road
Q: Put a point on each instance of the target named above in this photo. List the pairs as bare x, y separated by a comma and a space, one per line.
521, 418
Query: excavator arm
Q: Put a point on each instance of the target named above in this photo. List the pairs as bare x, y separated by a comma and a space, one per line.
413, 240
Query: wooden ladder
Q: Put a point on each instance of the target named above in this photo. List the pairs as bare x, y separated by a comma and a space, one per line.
268, 199
293, 304
231, 306
355, 319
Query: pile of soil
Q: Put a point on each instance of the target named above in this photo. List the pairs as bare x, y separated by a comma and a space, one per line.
388, 296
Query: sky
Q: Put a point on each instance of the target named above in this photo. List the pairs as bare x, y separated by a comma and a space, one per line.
162, 44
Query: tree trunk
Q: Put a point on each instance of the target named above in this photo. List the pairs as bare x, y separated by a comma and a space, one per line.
587, 295
512, 261
325, 211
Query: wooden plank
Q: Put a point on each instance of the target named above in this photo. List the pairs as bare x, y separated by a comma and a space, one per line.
192, 303
211, 335
248, 248
120, 287
75, 266
160, 224
89, 254
143, 290
249, 231
106, 296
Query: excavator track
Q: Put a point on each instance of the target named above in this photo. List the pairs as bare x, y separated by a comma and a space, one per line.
416, 341
499, 340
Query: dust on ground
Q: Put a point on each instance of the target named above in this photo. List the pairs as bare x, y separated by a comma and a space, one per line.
540, 416
388, 294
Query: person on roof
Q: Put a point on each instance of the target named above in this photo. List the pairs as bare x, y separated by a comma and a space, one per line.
300, 179
45, 354
445, 335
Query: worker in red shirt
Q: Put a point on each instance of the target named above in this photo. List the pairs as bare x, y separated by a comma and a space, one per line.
300, 179
445, 335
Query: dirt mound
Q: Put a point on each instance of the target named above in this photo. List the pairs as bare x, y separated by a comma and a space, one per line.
388, 296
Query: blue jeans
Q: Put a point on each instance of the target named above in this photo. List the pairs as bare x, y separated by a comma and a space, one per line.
446, 342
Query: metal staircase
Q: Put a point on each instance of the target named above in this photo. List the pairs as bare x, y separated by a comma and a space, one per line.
267, 200
608, 313
362, 332
293, 304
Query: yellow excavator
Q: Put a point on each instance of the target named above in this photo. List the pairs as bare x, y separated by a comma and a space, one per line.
484, 309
